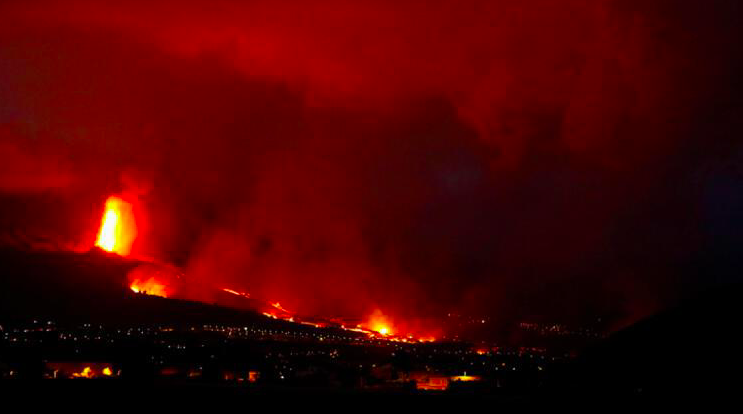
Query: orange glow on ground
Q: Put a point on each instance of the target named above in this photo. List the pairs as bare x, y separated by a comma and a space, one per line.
86, 373
149, 286
466, 378
380, 323
277, 305
118, 228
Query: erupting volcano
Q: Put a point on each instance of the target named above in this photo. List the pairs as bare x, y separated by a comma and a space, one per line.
403, 196
117, 233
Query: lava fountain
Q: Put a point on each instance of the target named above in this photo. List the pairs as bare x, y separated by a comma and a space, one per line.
118, 227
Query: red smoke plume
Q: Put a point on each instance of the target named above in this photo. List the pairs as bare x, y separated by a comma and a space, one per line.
412, 156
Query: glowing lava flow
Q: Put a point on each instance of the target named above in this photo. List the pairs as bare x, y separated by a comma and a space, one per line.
149, 286
236, 293
118, 228
117, 233
378, 327
155, 279
86, 373
380, 323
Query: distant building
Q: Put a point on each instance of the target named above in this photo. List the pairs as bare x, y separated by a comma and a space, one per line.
429, 381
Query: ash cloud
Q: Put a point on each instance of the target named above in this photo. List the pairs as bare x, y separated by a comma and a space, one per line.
522, 160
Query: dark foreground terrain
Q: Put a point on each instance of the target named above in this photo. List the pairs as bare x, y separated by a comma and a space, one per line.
70, 329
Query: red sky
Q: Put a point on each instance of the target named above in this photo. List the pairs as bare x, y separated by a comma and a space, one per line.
560, 158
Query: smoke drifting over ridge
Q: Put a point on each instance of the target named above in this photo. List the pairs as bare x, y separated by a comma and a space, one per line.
549, 158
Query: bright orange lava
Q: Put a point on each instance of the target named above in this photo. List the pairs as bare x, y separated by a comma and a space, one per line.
378, 322
150, 286
86, 373
236, 293
118, 228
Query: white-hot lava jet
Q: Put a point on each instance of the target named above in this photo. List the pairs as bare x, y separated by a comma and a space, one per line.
118, 227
